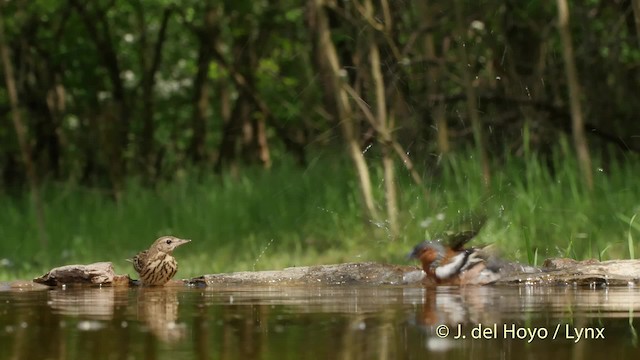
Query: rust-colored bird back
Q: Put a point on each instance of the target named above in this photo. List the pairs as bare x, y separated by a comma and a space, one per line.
447, 261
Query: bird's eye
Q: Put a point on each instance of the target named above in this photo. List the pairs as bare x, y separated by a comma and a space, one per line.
169, 242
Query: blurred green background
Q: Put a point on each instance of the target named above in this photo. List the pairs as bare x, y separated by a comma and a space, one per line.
286, 133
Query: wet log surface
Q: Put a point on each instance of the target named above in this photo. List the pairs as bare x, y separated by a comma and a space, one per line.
554, 272
368, 273
100, 273
593, 273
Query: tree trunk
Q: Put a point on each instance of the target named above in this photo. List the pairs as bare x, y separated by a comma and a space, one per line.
21, 133
384, 126
149, 64
242, 78
471, 95
526, 59
206, 38
328, 57
118, 110
244, 135
577, 120
437, 108
636, 14
232, 131
262, 141
254, 142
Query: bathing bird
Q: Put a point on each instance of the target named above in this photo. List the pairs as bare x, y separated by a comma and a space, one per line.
446, 261
156, 265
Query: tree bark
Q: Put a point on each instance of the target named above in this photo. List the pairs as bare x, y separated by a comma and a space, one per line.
243, 85
577, 119
56, 104
254, 145
437, 108
206, 37
117, 111
471, 96
385, 124
149, 64
231, 134
21, 134
330, 65
244, 135
636, 15
524, 65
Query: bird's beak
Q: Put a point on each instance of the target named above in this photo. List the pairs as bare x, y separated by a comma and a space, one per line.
182, 241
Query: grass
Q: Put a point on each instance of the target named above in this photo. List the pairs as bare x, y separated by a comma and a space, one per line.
293, 217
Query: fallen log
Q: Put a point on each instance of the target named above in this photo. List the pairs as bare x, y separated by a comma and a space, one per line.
368, 273
592, 273
100, 273
554, 272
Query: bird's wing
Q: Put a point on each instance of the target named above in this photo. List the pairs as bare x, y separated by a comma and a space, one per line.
468, 227
458, 240
139, 260
453, 267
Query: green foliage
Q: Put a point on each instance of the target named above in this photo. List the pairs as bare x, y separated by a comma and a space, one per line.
265, 62
293, 217
632, 226
273, 44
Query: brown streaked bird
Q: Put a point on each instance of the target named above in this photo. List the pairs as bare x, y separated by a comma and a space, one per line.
156, 266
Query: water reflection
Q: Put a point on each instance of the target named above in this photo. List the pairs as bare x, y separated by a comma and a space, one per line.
95, 303
451, 305
322, 322
158, 309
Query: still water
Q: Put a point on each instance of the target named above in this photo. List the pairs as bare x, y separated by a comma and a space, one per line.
339, 322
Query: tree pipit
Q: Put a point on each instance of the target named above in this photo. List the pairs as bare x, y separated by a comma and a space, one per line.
156, 266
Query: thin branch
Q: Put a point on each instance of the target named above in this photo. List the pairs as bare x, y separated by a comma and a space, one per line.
364, 107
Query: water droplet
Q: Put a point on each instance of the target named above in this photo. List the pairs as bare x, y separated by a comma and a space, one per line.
366, 149
90, 325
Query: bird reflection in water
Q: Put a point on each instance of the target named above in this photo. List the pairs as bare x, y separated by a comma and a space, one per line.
453, 306
158, 308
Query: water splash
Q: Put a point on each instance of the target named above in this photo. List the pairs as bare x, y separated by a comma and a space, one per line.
261, 253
